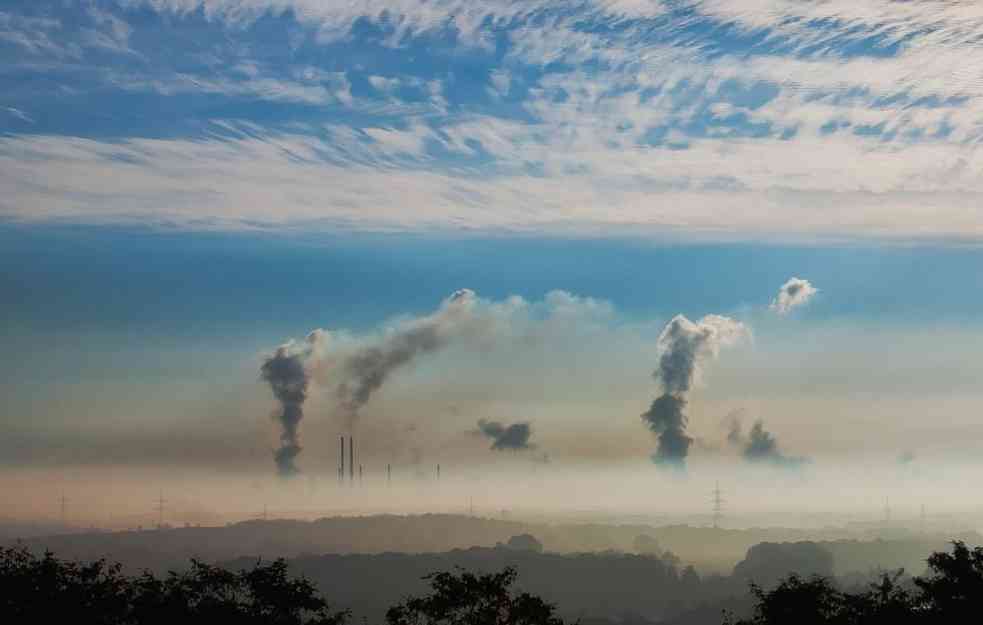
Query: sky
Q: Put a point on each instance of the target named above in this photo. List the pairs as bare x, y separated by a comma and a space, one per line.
186, 185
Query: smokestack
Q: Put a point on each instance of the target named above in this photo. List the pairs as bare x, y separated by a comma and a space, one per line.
438, 472
351, 458
389, 474
341, 467
359, 474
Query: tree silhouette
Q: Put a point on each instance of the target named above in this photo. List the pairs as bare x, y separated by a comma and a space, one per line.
955, 585
952, 592
464, 598
46, 589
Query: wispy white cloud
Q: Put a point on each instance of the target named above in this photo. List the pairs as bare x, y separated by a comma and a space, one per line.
285, 180
828, 118
35, 35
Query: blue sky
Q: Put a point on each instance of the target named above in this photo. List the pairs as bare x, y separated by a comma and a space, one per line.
185, 184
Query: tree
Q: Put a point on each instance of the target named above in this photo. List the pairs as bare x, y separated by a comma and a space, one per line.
46, 589
952, 592
525, 542
804, 601
464, 598
955, 585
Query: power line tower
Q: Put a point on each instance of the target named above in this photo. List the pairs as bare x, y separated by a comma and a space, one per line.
718, 506
64, 510
160, 510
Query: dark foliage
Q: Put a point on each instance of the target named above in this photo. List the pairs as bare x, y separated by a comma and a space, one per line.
48, 590
955, 583
463, 598
951, 592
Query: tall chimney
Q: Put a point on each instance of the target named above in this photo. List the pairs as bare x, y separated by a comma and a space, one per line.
351, 458
341, 467
389, 474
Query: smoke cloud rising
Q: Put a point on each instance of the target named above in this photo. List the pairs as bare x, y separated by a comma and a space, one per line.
685, 348
512, 437
355, 371
761, 446
366, 370
794, 293
287, 372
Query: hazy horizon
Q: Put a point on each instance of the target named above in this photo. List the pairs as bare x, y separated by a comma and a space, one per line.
591, 258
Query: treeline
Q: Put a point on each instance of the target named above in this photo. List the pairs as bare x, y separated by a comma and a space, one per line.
46, 589
951, 591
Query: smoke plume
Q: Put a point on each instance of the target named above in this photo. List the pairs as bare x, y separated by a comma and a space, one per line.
366, 370
761, 446
794, 293
665, 417
512, 437
286, 371
685, 348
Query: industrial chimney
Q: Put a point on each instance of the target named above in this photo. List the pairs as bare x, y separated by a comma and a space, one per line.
351, 458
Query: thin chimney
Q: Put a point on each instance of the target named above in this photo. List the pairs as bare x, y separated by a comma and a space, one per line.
341, 467
351, 458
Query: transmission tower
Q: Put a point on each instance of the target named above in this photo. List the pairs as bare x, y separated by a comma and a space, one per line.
64, 510
718, 506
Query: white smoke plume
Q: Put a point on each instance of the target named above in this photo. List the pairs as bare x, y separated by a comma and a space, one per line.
794, 293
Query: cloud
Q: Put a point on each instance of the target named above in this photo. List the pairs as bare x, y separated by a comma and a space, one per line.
234, 182
794, 293
704, 119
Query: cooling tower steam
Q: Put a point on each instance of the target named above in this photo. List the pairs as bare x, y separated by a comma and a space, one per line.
287, 372
685, 347
793, 294
514, 437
